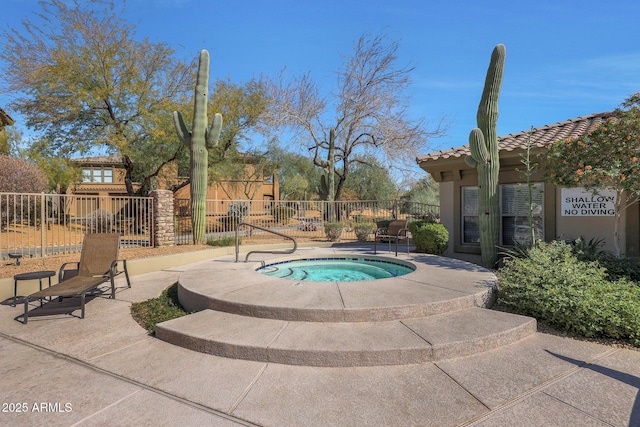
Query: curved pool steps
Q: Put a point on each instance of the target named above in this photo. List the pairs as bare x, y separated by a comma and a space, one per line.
342, 344
437, 312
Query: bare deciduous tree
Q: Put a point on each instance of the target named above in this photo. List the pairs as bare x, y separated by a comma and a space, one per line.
367, 115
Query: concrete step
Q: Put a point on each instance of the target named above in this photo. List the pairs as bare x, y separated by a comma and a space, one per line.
341, 344
377, 300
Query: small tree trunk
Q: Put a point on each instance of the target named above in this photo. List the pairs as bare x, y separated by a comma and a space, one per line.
332, 176
616, 227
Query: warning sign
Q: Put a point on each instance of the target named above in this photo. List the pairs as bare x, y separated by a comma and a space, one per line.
581, 202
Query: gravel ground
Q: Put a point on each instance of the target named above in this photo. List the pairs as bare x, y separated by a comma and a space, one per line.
9, 269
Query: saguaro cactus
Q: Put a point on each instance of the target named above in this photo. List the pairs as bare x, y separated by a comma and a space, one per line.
199, 140
483, 142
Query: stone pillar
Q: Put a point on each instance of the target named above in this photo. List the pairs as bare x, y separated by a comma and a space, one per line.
163, 228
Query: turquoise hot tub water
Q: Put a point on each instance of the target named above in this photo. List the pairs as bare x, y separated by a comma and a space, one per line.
336, 269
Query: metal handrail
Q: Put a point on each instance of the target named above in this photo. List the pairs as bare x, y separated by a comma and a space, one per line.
288, 251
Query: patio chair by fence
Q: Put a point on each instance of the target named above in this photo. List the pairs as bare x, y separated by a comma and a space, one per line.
98, 264
396, 232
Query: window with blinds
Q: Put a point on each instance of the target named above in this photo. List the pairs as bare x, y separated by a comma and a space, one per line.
514, 210
470, 226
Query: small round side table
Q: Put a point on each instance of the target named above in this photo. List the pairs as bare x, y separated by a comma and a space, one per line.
31, 276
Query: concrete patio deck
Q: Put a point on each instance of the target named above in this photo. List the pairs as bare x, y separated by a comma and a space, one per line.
106, 370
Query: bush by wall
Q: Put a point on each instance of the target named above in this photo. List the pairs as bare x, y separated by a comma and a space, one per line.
616, 267
429, 237
589, 250
100, 221
363, 230
557, 288
223, 241
333, 230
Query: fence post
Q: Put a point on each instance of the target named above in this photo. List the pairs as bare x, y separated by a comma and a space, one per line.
163, 227
43, 225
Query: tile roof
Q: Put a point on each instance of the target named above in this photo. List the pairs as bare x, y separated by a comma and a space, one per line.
99, 160
541, 137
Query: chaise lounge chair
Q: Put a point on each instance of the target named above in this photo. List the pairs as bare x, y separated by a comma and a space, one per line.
98, 264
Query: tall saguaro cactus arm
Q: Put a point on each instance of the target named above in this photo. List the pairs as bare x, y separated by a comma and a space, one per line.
213, 132
483, 144
201, 135
487, 116
479, 152
199, 139
183, 133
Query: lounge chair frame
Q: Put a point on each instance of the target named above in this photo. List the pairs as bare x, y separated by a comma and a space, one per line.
396, 231
98, 264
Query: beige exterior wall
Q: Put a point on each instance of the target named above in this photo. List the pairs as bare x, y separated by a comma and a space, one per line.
573, 227
447, 215
235, 191
601, 227
453, 174
262, 189
98, 195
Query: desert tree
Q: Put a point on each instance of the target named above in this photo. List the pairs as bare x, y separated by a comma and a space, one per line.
424, 190
19, 176
297, 176
244, 108
607, 158
370, 181
367, 114
85, 82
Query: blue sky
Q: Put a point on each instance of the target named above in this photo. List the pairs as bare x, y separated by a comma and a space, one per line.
564, 58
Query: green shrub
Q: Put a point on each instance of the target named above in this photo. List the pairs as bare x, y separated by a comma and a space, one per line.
333, 230
156, 310
518, 250
282, 214
363, 230
100, 221
429, 237
223, 241
618, 268
588, 251
557, 288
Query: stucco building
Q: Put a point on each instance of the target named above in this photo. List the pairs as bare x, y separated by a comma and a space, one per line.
558, 212
103, 182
